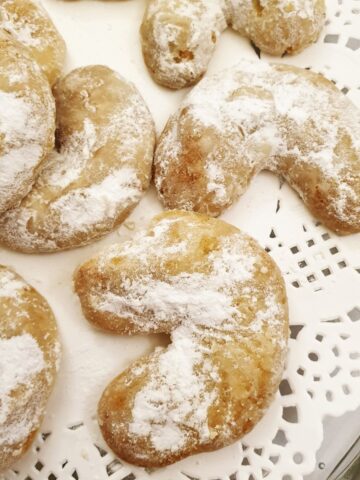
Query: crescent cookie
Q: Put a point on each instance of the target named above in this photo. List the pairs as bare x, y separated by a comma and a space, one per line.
222, 299
28, 22
29, 361
27, 121
257, 116
102, 166
180, 36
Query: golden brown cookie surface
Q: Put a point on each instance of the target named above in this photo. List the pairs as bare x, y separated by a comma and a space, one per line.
180, 36
257, 116
29, 24
27, 121
223, 301
105, 140
29, 360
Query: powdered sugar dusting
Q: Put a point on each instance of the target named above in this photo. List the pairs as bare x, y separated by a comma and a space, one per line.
177, 298
194, 297
20, 133
10, 285
171, 394
29, 359
64, 168
16, 164
20, 360
216, 178
29, 24
82, 208
24, 31
305, 9
15, 117
26, 122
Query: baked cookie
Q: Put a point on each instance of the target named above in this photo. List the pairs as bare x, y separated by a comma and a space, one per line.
29, 360
180, 36
28, 22
257, 116
222, 299
105, 140
27, 121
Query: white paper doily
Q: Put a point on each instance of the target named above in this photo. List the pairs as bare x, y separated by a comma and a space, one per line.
322, 273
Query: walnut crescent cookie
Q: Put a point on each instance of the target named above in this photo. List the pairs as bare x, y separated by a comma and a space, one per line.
222, 299
179, 36
28, 22
29, 361
27, 121
257, 116
105, 142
